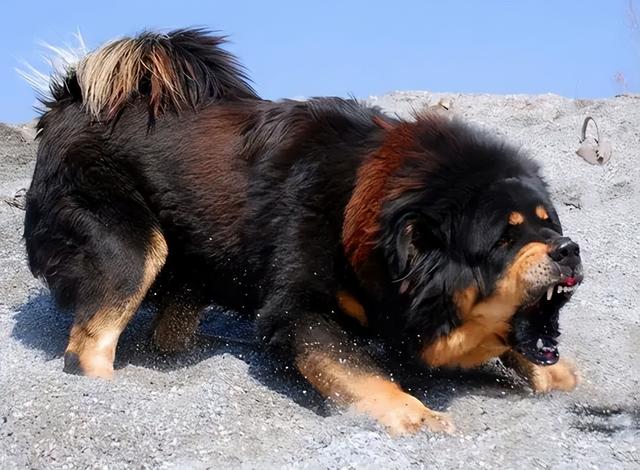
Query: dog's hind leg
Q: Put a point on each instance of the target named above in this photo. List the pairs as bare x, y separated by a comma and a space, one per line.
178, 319
105, 304
180, 297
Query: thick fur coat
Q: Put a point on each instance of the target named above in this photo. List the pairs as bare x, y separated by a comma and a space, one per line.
161, 175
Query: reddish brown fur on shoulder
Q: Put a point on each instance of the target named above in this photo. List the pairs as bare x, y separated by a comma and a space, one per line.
374, 182
361, 214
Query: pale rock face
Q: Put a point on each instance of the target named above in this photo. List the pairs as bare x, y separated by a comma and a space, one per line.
224, 406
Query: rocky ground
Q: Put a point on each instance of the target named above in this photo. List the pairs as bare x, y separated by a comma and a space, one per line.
225, 405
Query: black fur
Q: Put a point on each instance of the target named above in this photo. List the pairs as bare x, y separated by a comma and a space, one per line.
250, 196
469, 183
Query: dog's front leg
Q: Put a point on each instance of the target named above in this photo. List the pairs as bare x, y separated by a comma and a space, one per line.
298, 319
337, 367
342, 371
560, 376
345, 374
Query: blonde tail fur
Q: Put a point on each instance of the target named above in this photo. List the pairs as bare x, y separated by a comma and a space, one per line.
170, 72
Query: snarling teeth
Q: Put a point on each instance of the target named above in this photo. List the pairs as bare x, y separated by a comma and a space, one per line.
566, 289
560, 289
539, 343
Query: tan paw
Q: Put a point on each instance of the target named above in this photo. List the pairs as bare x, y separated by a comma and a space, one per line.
90, 354
561, 376
403, 414
95, 365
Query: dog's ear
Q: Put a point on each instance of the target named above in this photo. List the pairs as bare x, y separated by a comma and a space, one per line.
406, 245
410, 243
418, 254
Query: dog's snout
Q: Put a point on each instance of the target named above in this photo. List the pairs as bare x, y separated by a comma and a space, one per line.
565, 251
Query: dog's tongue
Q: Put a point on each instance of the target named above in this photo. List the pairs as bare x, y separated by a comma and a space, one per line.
542, 351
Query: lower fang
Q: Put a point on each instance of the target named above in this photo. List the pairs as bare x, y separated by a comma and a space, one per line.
539, 343
549, 292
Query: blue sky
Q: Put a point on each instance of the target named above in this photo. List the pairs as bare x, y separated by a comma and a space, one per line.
301, 48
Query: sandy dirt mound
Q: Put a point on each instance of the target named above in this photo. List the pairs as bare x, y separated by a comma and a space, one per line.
226, 405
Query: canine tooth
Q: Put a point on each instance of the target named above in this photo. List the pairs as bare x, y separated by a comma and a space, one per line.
539, 343
559, 289
549, 292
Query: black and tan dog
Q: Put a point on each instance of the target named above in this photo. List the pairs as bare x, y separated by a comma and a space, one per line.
161, 175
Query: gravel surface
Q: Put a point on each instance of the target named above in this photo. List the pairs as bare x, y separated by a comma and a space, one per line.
225, 404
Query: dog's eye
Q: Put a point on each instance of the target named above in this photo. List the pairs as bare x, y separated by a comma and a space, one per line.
505, 240
502, 243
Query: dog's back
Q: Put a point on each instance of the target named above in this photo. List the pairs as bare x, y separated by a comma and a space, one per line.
158, 166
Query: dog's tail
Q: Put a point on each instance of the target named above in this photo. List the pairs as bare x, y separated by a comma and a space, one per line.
182, 69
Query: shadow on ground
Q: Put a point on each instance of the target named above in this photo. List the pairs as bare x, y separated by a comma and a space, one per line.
42, 326
606, 420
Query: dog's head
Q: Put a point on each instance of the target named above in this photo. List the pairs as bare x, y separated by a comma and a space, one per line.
470, 234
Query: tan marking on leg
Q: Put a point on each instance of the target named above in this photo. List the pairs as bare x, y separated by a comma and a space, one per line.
372, 394
561, 376
92, 345
485, 323
351, 307
542, 213
480, 338
93, 350
469, 345
516, 218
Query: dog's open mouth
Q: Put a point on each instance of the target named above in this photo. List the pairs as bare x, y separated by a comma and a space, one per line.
538, 329
542, 351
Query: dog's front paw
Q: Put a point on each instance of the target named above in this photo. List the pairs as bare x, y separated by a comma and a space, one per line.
561, 376
401, 414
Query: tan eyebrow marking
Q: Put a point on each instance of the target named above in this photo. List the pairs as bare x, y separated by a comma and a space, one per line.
516, 218
542, 213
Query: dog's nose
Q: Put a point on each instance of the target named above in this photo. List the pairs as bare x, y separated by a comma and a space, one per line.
565, 251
